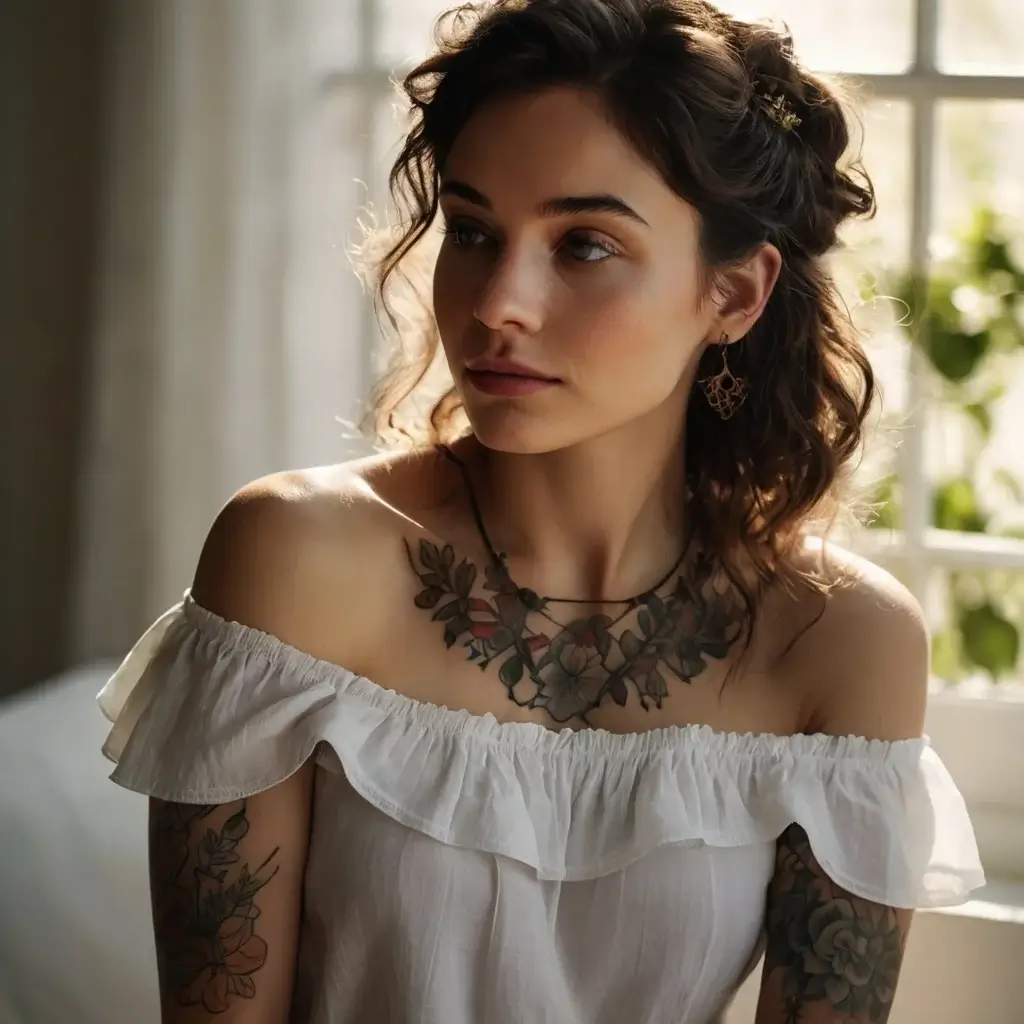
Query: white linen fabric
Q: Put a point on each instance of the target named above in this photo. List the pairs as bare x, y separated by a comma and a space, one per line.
476, 872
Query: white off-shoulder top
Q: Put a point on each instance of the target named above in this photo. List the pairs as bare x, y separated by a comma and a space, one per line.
467, 871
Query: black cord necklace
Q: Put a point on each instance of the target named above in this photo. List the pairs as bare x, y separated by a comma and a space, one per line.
500, 559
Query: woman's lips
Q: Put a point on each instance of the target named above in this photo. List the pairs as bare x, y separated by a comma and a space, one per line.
512, 385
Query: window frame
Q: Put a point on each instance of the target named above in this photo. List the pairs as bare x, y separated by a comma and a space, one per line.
918, 549
976, 729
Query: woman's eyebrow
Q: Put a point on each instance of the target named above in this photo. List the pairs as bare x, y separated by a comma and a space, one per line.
558, 206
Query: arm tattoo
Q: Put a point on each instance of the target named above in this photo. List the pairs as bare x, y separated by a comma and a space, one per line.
204, 906
828, 947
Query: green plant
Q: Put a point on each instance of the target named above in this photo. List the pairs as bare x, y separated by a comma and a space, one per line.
967, 319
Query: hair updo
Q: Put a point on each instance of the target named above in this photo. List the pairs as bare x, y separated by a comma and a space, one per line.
685, 84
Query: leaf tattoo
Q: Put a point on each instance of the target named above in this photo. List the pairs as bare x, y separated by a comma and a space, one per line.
205, 919
569, 670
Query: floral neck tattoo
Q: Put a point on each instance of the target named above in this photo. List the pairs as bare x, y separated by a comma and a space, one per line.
570, 669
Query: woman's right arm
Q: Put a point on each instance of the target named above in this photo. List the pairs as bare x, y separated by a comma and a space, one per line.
226, 879
226, 887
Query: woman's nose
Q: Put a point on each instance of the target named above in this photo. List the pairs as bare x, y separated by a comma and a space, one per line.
513, 295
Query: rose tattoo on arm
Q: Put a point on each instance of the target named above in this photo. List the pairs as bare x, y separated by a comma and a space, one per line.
831, 956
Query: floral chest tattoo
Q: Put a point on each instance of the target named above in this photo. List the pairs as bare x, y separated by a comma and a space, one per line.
569, 669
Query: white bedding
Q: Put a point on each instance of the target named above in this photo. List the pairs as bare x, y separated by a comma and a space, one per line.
75, 937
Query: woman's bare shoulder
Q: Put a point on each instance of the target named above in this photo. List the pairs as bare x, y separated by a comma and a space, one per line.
862, 653
298, 552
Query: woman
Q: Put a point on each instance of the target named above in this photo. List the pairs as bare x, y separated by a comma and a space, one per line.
553, 716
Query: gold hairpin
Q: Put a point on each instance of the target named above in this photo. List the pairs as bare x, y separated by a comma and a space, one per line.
777, 107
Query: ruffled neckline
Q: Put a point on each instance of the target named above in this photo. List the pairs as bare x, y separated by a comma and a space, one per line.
208, 711
487, 727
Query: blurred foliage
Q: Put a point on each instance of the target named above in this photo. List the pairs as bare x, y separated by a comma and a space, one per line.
967, 319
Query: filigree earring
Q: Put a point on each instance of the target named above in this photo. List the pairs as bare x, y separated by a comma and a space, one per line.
724, 391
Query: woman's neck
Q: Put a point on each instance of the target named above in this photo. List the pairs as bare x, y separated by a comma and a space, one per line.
603, 519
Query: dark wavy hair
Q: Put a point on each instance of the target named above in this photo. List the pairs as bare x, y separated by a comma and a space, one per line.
681, 81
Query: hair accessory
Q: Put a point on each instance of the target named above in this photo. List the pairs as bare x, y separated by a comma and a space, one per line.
725, 391
777, 108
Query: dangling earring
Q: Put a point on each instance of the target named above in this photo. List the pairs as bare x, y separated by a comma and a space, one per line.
725, 391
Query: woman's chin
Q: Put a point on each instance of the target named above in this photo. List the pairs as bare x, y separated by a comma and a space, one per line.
519, 434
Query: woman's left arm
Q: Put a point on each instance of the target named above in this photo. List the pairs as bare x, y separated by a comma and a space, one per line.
833, 957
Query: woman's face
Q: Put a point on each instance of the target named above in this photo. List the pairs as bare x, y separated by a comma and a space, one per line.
568, 289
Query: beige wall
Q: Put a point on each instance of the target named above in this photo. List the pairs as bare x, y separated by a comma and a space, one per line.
50, 71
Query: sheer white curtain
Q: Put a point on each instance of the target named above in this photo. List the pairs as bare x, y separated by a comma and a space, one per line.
229, 337
230, 329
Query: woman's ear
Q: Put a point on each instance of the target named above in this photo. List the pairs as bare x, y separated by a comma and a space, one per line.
744, 290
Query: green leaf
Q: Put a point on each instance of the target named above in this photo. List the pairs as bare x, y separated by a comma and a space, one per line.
935, 325
511, 671
955, 507
947, 662
955, 353
990, 641
982, 416
988, 250
887, 515
1012, 484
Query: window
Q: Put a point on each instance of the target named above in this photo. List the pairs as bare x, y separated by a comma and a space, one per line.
943, 85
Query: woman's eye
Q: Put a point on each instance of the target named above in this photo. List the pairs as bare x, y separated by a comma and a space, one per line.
464, 235
586, 250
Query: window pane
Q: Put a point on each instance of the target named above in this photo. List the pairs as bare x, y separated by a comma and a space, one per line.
976, 620
875, 253
881, 246
982, 37
980, 146
406, 27
845, 35
980, 160
334, 37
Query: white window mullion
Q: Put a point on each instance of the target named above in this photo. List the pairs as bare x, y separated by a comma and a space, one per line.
913, 475
947, 549
916, 84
